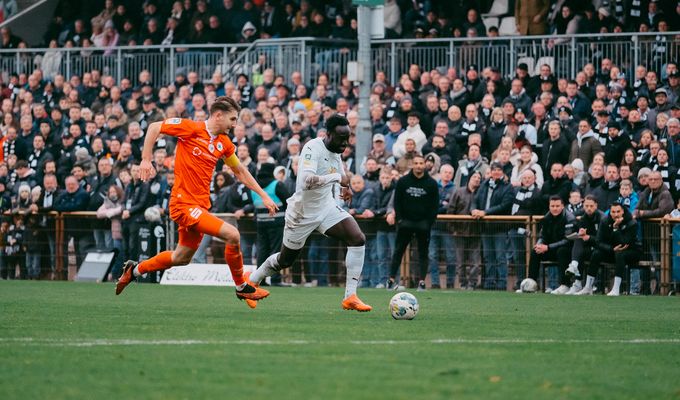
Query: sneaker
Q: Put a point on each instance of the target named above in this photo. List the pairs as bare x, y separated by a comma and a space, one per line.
548, 290
421, 286
126, 277
575, 288
391, 285
249, 302
563, 289
380, 286
518, 291
586, 291
613, 293
573, 268
353, 302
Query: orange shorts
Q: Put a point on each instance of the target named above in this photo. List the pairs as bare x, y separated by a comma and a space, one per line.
193, 222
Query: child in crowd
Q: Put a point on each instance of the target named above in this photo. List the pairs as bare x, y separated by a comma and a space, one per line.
676, 213
627, 196
15, 253
575, 205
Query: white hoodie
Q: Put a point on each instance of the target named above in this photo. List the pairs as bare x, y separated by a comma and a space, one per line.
415, 133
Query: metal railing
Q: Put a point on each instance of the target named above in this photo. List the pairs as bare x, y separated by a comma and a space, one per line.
492, 253
311, 56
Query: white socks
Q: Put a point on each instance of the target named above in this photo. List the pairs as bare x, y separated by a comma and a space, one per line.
573, 268
268, 268
354, 261
617, 285
135, 272
589, 281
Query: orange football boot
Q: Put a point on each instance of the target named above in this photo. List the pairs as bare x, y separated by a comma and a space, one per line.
249, 302
126, 277
251, 292
353, 302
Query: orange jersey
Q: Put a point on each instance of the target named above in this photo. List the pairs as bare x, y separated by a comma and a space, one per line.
196, 155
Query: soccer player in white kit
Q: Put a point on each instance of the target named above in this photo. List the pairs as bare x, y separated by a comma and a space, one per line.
313, 207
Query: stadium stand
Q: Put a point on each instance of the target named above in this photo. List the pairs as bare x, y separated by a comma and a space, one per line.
75, 110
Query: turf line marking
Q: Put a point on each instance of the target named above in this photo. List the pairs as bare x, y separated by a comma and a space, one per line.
190, 342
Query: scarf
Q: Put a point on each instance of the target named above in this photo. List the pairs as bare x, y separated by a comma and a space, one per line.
618, 10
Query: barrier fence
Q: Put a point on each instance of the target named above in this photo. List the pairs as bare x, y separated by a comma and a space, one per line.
492, 253
310, 56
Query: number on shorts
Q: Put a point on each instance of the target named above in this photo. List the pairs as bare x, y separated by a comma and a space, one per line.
195, 212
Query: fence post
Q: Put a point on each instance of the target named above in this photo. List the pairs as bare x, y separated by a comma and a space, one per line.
666, 238
68, 63
574, 55
18, 63
513, 58
59, 245
225, 55
173, 66
119, 65
636, 50
303, 64
393, 63
451, 56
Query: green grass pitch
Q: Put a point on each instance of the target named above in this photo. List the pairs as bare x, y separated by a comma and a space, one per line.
68, 340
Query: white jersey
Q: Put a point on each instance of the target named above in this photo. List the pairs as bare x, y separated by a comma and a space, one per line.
315, 159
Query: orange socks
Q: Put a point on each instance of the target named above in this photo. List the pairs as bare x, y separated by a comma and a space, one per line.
159, 262
235, 261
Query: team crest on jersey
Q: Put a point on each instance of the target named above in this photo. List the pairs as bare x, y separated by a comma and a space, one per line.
211, 147
173, 121
332, 170
220, 147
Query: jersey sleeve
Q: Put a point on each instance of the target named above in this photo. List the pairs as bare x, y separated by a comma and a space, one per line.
229, 148
178, 127
310, 159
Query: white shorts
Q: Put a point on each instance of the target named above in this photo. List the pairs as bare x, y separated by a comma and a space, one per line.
299, 227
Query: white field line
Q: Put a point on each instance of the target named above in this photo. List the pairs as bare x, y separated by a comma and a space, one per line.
189, 342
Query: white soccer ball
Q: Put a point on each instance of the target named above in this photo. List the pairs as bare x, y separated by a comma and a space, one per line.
404, 306
528, 286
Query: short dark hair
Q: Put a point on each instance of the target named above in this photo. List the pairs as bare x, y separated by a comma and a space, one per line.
226, 104
414, 114
556, 198
334, 121
616, 204
591, 198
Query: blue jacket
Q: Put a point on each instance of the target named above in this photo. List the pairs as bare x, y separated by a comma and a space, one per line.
444, 195
501, 198
72, 201
362, 201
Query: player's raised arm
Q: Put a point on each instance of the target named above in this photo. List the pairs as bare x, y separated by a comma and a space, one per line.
245, 177
146, 169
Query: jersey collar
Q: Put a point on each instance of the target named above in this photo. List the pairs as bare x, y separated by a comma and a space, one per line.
212, 137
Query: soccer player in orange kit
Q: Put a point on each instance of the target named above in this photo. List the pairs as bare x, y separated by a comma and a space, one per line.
199, 146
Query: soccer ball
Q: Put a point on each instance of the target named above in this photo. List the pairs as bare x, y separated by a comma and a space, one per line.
528, 286
403, 306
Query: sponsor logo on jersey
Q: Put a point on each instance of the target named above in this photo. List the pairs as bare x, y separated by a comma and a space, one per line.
173, 121
220, 147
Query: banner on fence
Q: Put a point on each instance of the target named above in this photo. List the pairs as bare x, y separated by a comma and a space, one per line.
201, 275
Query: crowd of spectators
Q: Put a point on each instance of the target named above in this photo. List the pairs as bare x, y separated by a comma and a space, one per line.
495, 145
107, 23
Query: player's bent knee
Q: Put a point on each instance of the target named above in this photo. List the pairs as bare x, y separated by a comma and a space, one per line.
357, 240
230, 235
